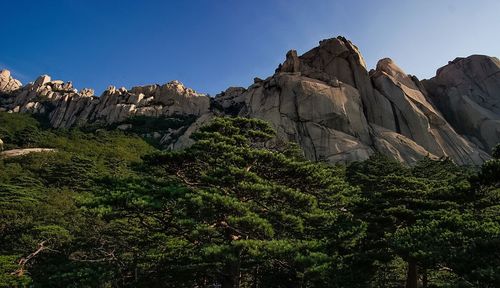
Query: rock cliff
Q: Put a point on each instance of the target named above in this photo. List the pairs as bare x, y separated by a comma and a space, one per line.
326, 100
329, 103
467, 92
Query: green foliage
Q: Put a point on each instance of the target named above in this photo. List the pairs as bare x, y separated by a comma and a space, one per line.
8, 264
425, 215
16, 129
478, 261
495, 152
107, 209
40, 194
147, 126
256, 209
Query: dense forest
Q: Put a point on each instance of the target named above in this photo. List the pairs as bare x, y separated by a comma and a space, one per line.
108, 208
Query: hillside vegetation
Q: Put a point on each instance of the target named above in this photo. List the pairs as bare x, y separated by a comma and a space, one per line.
107, 208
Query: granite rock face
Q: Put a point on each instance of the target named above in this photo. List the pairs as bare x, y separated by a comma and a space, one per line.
67, 107
467, 92
416, 118
329, 103
325, 100
328, 122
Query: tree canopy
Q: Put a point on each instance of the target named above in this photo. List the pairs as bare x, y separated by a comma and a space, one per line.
236, 209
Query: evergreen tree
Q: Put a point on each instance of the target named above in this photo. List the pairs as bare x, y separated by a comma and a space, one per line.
479, 259
236, 210
245, 214
417, 214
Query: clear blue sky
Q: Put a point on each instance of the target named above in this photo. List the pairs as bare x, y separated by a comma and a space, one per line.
212, 44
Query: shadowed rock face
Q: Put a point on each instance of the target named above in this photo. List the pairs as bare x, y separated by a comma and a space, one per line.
325, 100
416, 118
467, 92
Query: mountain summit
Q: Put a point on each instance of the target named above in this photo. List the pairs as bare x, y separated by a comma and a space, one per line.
326, 100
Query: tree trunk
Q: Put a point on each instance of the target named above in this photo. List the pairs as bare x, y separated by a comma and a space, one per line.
256, 277
231, 277
231, 274
412, 276
425, 279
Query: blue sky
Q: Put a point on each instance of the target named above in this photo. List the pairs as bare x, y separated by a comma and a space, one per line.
210, 45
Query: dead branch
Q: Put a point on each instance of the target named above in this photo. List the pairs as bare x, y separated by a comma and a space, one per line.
23, 261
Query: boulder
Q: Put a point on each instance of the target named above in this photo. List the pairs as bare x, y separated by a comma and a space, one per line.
41, 81
22, 152
232, 100
86, 92
177, 99
398, 146
292, 62
7, 83
124, 127
185, 140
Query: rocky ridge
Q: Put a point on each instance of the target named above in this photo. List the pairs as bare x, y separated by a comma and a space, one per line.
67, 107
325, 100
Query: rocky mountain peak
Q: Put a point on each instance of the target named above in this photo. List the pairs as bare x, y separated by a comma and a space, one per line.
325, 100
333, 59
291, 64
389, 67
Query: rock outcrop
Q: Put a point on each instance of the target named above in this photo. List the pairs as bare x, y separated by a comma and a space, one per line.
467, 92
67, 107
325, 100
416, 118
328, 122
22, 152
7, 83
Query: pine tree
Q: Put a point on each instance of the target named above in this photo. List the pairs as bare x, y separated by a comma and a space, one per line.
416, 214
250, 212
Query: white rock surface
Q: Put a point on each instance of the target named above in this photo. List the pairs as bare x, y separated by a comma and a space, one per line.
7, 83
21, 152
